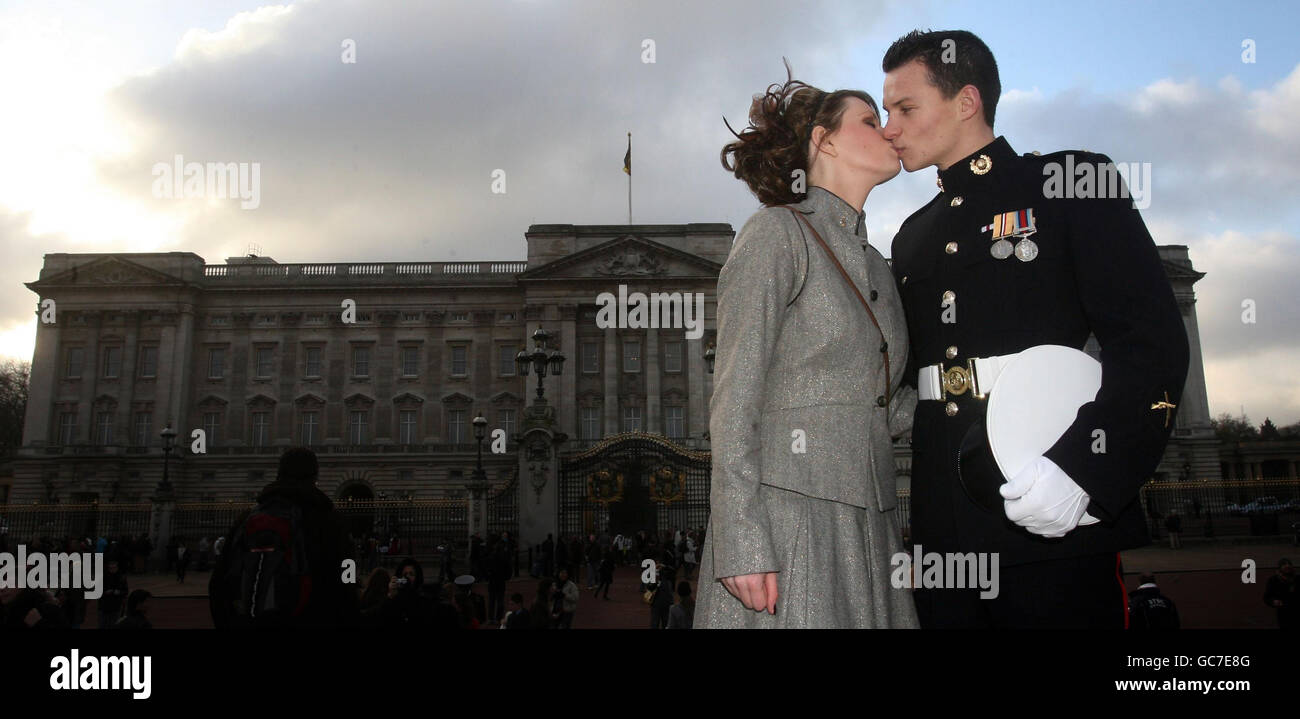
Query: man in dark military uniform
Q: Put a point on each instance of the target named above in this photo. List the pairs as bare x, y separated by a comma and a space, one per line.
999, 261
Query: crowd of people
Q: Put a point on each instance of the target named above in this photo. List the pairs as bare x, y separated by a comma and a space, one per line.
117, 607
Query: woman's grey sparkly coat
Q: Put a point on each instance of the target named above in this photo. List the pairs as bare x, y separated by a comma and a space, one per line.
803, 476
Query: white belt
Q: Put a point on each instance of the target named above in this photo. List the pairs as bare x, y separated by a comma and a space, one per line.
979, 374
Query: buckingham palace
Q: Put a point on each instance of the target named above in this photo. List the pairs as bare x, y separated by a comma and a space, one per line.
383, 367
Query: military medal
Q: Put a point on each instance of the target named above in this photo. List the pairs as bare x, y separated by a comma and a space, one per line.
1017, 223
1026, 250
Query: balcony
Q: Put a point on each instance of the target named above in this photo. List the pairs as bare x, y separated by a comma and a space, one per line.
440, 448
369, 273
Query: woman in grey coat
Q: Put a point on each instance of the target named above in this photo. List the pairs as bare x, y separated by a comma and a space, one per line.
806, 398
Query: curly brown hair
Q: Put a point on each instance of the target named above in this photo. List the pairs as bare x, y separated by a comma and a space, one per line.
768, 152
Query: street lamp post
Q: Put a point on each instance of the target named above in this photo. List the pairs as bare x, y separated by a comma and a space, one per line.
168, 437
540, 359
478, 483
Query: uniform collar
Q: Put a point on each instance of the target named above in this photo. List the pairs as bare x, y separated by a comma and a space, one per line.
835, 210
961, 177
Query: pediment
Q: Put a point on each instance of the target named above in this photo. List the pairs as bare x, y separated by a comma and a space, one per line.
309, 399
408, 398
507, 398
259, 399
1177, 271
111, 270
457, 398
627, 257
212, 401
358, 398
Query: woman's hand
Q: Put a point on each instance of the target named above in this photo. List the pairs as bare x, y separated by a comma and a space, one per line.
755, 591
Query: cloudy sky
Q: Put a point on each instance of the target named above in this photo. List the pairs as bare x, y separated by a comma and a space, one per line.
391, 157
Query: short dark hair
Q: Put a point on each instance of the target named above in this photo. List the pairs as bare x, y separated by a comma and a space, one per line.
298, 464
973, 64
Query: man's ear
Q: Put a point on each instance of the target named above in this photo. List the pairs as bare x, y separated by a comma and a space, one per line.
969, 102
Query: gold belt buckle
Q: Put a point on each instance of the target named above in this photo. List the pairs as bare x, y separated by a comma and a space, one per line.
956, 380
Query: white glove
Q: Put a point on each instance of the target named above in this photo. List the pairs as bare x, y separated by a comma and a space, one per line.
1044, 500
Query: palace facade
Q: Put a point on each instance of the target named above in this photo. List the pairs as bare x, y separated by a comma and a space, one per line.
382, 367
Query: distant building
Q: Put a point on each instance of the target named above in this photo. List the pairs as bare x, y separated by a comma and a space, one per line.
258, 356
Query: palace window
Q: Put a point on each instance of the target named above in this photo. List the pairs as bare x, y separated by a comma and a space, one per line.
216, 362
311, 366
261, 428
309, 428
672, 356
76, 358
143, 429
406, 426
112, 362
148, 361
675, 422
632, 356
357, 424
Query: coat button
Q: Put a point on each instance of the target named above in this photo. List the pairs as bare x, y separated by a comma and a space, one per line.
843, 221
904, 279
950, 409
880, 401
874, 295
949, 297
951, 352
956, 201
884, 346
950, 248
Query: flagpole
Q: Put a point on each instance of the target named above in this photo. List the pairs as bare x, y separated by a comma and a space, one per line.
629, 179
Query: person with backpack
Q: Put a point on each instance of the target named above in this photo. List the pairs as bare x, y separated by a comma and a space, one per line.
282, 560
1149, 608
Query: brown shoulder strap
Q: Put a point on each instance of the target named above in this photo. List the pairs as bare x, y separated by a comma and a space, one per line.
852, 285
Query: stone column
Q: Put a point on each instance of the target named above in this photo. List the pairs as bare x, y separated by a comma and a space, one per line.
611, 373
565, 399
179, 396
126, 379
45, 372
1195, 409
698, 387
89, 381
652, 377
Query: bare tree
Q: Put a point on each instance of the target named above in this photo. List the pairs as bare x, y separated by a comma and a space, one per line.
14, 376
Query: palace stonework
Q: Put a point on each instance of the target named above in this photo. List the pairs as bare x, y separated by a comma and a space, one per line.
382, 366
